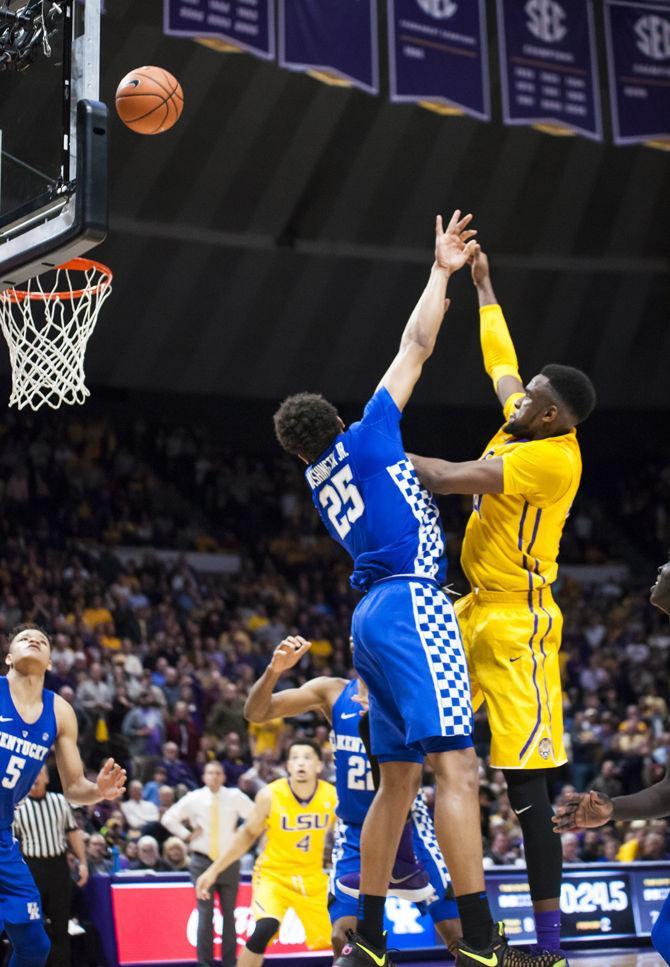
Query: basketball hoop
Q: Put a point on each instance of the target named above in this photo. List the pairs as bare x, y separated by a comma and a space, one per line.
47, 328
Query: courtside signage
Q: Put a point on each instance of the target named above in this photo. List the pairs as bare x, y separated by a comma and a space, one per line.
245, 24
638, 59
548, 64
438, 55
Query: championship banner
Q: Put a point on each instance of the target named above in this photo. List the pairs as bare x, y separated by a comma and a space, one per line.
224, 24
333, 40
638, 55
438, 55
549, 65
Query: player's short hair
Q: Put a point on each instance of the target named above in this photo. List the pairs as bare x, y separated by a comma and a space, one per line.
309, 742
28, 626
305, 424
574, 388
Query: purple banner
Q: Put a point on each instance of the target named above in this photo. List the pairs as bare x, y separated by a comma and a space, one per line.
638, 54
549, 65
438, 54
247, 24
335, 40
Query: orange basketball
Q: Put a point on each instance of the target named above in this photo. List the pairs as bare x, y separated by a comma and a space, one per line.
149, 100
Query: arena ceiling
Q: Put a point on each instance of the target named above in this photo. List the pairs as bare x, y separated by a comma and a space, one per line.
277, 238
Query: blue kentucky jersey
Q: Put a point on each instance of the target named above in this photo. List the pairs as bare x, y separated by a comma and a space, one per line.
369, 497
353, 778
23, 750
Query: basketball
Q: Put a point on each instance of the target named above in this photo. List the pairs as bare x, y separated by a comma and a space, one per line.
149, 100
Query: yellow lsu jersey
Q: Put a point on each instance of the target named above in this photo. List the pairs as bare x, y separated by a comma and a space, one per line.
296, 831
512, 539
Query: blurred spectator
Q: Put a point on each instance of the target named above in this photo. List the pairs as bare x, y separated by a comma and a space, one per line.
98, 858
175, 854
137, 811
149, 856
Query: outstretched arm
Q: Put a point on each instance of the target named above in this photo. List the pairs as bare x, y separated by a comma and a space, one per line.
590, 809
498, 350
470, 477
77, 789
242, 841
319, 694
452, 250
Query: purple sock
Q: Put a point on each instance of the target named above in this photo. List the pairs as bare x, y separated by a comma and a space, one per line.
405, 852
548, 929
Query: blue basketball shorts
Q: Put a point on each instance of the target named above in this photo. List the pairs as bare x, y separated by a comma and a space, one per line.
19, 897
346, 858
409, 652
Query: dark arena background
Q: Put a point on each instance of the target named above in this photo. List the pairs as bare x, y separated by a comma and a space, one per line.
275, 240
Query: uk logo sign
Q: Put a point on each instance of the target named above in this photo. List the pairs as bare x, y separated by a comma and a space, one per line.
546, 20
33, 911
653, 37
440, 9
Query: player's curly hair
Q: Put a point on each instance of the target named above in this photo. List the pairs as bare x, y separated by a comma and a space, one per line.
305, 424
574, 388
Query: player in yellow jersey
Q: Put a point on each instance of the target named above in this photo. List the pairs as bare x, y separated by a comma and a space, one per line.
295, 814
523, 487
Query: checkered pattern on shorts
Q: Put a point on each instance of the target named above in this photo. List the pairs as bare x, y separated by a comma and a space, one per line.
441, 640
337, 852
424, 509
426, 830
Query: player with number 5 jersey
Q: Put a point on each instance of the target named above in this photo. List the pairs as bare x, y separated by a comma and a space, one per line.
32, 720
407, 644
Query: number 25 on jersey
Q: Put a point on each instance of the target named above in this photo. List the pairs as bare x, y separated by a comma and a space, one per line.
342, 500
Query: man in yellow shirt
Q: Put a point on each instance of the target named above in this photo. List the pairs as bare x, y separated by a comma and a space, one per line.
523, 487
295, 814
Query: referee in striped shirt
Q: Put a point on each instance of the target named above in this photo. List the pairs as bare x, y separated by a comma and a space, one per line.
45, 825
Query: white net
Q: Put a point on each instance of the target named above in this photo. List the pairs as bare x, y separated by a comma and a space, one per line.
47, 327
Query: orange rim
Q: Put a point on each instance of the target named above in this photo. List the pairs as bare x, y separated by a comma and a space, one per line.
74, 265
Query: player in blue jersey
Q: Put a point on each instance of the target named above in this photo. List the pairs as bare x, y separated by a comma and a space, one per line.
343, 703
408, 647
32, 720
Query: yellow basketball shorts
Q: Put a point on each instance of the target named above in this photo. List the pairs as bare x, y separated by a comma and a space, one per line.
511, 643
274, 895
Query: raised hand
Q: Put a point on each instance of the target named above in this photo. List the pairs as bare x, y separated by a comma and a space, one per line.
288, 653
455, 246
583, 810
111, 781
479, 266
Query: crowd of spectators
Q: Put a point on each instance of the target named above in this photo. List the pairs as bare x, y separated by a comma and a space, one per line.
157, 658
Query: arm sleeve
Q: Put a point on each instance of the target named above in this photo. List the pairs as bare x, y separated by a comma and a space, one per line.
538, 471
497, 346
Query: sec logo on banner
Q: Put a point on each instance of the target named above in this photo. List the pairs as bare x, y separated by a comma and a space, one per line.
546, 20
653, 37
440, 9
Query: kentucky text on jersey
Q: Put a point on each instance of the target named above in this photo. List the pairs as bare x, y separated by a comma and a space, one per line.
349, 743
31, 750
371, 502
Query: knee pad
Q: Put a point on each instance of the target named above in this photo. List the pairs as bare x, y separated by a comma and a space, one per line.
30, 942
265, 930
528, 793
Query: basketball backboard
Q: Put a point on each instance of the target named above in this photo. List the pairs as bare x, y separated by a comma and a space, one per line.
53, 135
